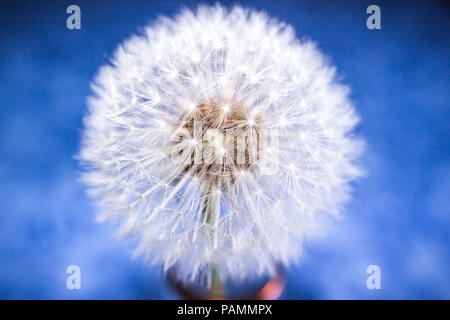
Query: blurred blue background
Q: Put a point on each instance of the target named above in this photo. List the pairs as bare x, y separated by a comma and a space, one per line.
399, 218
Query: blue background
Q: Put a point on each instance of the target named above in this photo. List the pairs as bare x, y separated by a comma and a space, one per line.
399, 218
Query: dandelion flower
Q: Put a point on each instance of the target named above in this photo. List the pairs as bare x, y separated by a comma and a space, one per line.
218, 139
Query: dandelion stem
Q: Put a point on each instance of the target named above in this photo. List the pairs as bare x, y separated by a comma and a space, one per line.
210, 208
215, 290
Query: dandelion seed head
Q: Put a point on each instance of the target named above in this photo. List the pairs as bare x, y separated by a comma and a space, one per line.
180, 140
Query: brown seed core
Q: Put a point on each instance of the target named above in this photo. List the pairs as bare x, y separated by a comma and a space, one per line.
217, 139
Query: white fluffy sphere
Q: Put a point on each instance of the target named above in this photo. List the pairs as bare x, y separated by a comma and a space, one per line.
253, 89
